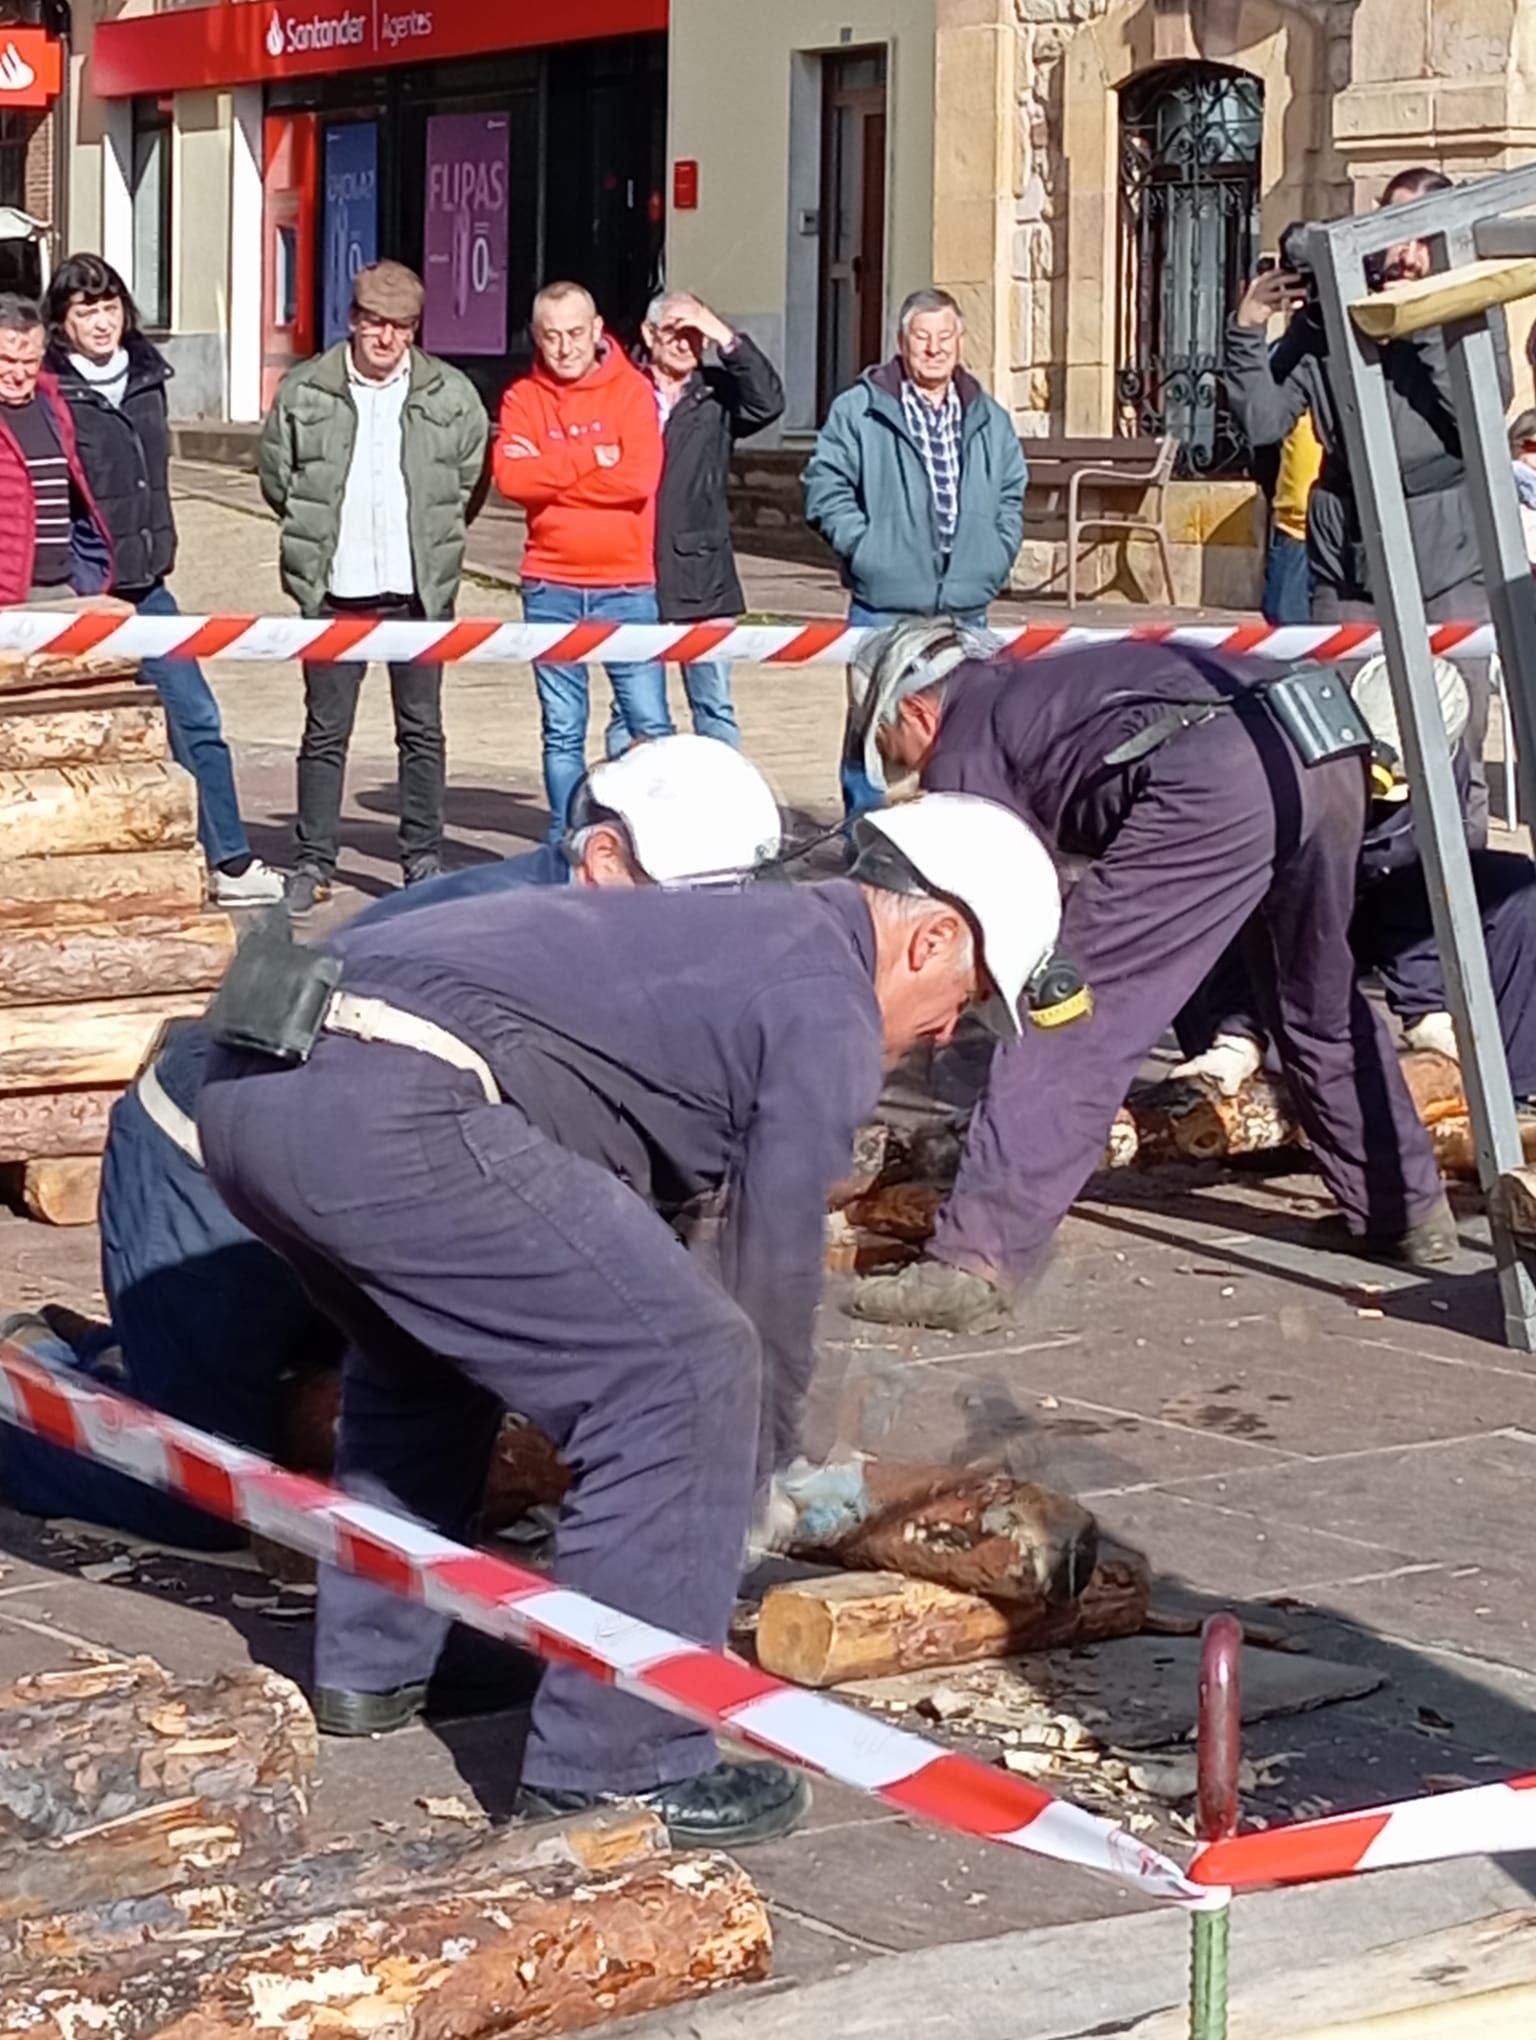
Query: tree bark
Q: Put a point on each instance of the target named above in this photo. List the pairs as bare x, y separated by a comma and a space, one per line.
70, 810
544, 1952
117, 1780
109, 729
37, 1125
62, 1189
980, 1533
62, 892
867, 1625
35, 672
99, 1041
118, 959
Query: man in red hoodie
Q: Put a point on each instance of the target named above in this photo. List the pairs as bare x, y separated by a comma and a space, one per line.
579, 446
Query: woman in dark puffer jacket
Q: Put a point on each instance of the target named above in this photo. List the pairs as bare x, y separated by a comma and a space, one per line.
113, 380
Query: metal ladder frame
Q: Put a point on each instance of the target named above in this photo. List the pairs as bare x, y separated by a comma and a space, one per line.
1460, 226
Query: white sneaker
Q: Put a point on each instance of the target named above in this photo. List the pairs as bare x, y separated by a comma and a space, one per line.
1435, 1032
257, 886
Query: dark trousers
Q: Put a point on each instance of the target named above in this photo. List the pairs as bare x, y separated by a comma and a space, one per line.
1229, 825
1287, 594
330, 709
475, 1266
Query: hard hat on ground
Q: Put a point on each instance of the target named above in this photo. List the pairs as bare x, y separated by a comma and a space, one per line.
1371, 690
904, 659
695, 809
983, 859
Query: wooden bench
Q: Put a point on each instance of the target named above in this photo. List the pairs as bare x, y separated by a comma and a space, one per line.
1060, 467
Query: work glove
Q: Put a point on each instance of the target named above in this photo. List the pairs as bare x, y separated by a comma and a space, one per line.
1229, 1062
1434, 1031
810, 1504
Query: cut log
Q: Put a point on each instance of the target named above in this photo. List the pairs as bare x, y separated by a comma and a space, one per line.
116, 959
114, 729
69, 810
60, 892
980, 1533
99, 1041
118, 1780
1444, 297
33, 672
868, 1625
1512, 1204
62, 1189
39, 1124
900, 1211
546, 1952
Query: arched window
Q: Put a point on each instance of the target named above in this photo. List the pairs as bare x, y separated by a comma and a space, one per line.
1190, 139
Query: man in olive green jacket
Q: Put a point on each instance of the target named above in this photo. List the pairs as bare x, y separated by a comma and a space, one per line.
374, 458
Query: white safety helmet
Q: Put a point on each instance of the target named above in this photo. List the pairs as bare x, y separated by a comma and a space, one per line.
904, 659
695, 809
1371, 690
985, 860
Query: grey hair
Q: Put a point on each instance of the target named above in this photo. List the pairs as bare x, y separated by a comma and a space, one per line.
556, 293
917, 302
906, 910
18, 314
654, 309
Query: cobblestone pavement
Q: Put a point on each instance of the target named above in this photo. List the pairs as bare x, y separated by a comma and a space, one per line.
1349, 1452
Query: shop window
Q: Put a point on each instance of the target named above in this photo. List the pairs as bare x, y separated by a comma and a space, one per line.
1190, 142
15, 130
151, 190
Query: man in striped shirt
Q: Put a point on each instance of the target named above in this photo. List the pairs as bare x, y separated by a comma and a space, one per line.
53, 542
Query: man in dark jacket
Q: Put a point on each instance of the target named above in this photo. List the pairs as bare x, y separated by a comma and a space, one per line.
53, 540
703, 411
917, 484
1270, 388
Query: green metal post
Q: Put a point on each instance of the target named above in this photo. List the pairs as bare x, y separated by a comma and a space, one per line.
1218, 1750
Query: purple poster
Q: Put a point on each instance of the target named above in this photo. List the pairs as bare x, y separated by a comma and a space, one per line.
465, 263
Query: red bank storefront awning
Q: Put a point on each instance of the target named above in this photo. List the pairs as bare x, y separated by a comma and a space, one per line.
244, 41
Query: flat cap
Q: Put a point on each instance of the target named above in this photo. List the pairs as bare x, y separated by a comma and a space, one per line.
390, 291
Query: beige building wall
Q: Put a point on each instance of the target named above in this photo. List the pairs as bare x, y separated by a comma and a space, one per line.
744, 102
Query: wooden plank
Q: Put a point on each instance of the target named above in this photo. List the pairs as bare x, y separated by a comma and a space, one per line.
1439, 300
68, 810
35, 1124
104, 1041
60, 892
62, 1189
118, 959
101, 732
30, 672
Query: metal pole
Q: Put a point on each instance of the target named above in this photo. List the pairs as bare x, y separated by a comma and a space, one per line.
1354, 367
1218, 1752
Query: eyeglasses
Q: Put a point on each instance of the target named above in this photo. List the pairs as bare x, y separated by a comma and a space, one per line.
376, 322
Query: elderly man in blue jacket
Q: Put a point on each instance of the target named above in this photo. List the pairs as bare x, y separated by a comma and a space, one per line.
917, 484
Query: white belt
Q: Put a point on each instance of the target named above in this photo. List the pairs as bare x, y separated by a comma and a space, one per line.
377, 1020
178, 1127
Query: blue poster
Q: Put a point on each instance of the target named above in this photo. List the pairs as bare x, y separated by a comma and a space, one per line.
350, 219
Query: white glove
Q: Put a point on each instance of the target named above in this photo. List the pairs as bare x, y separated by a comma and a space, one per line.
1436, 1032
1229, 1062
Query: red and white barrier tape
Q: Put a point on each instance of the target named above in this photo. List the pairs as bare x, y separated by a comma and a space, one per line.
913, 1776
479, 639
1484, 1820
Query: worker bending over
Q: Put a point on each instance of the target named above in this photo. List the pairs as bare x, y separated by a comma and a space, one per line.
472, 1170
1171, 770
206, 1321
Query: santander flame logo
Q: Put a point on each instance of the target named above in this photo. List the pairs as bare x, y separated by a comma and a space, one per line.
274, 37
16, 74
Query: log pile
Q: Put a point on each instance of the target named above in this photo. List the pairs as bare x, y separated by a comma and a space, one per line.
155, 1880
104, 932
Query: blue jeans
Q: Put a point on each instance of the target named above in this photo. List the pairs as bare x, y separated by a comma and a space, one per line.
708, 686
639, 687
860, 792
197, 740
1287, 581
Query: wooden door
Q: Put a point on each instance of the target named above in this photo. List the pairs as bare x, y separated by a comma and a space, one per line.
289, 198
851, 325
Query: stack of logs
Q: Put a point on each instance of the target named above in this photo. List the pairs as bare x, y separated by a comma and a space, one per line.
104, 932
156, 1879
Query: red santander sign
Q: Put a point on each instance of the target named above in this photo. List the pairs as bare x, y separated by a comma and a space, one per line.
243, 41
31, 68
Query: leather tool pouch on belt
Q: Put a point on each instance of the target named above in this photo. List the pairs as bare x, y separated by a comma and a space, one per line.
1310, 703
275, 994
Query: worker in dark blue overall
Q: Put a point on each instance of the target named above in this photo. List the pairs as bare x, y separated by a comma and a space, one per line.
1164, 769
205, 1319
473, 1171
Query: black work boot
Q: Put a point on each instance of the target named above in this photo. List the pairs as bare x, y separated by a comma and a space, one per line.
1429, 1244
729, 1807
308, 887
934, 1295
340, 1712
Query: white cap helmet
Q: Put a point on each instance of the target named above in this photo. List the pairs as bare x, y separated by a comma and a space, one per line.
903, 659
1371, 691
694, 807
988, 862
